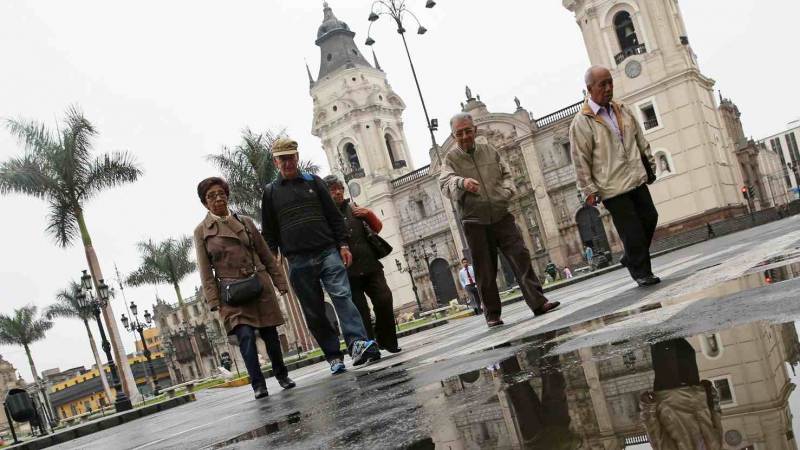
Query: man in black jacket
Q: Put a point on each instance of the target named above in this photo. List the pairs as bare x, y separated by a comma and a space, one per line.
366, 272
300, 219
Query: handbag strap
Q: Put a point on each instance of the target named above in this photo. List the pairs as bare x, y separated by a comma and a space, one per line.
252, 248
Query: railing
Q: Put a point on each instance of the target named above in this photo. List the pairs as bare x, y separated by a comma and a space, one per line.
561, 114
652, 123
357, 173
630, 51
399, 164
411, 176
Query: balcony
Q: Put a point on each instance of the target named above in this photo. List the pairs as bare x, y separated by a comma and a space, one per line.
356, 173
630, 51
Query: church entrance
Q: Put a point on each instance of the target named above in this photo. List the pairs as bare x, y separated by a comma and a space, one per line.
591, 229
443, 284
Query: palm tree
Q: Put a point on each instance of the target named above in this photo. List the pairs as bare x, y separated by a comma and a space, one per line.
248, 167
23, 328
59, 168
67, 307
166, 262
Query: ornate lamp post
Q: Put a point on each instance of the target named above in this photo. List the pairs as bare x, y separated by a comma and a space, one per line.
93, 304
133, 324
411, 276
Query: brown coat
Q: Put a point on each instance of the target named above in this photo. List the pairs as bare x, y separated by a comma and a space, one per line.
229, 247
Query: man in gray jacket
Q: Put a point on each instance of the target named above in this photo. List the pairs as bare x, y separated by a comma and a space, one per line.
479, 182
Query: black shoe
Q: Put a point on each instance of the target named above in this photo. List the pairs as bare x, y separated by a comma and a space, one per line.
546, 308
494, 323
623, 261
648, 280
286, 383
261, 392
393, 349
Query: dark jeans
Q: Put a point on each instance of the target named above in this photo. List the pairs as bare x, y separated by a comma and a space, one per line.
247, 346
374, 285
475, 297
635, 218
483, 241
308, 273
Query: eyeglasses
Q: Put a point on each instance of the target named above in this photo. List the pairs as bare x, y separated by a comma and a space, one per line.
464, 132
218, 194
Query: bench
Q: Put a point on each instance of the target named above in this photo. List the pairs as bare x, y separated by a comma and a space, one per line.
433, 312
189, 385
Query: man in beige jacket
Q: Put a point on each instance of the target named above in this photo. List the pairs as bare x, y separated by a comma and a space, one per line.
477, 178
613, 163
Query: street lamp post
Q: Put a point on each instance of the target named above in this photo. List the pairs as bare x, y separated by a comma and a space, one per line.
411, 276
133, 324
396, 9
89, 302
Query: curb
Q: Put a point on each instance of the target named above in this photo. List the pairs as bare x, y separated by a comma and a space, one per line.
69, 434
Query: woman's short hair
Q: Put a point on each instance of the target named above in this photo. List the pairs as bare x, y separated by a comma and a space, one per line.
208, 183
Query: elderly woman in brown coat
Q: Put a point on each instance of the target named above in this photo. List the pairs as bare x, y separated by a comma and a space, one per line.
230, 249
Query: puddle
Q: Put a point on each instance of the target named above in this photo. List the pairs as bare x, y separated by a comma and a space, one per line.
708, 369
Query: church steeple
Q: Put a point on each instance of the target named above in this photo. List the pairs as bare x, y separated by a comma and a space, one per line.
337, 48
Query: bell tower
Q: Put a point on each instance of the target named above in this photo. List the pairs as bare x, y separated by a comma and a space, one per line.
358, 118
645, 45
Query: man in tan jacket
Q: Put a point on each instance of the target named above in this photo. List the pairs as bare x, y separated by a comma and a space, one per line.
613, 163
477, 178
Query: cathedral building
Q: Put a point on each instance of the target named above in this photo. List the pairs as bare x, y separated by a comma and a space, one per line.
358, 118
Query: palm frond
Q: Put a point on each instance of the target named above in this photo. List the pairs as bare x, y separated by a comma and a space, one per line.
23, 327
62, 223
111, 170
33, 135
27, 175
163, 262
67, 305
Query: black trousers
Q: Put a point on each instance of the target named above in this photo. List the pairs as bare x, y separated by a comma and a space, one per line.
475, 297
635, 218
484, 241
373, 285
247, 346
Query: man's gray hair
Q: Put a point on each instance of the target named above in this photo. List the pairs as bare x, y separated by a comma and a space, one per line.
588, 77
461, 116
332, 180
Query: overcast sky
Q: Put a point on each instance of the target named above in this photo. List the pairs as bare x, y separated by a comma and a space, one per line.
173, 81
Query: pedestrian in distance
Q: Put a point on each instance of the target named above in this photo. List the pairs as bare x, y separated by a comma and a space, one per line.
467, 278
589, 253
301, 221
614, 164
231, 253
478, 180
366, 271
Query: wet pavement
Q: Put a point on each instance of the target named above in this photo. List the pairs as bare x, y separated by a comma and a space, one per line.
705, 360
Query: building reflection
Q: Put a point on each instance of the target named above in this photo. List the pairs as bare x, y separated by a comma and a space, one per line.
603, 397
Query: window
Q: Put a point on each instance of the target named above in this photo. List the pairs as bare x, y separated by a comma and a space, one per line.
195, 310
711, 345
724, 388
626, 33
420, 208
352, 156
174, 319
791, 143
388, 140
649, 117
567, 153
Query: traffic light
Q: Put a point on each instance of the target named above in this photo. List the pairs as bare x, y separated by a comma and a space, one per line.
746, 193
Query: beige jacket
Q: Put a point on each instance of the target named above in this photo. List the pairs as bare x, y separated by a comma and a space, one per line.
682, 419
486, 165
224, 251
603, 163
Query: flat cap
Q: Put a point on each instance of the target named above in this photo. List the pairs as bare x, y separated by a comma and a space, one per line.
284, 146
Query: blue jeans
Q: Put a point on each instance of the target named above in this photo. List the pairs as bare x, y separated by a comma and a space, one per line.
308, 274
247, 346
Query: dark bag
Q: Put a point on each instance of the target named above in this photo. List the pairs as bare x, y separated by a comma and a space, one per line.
246, 290
651, 175
379, 245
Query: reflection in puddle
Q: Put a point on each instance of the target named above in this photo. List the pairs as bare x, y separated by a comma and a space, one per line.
727, 388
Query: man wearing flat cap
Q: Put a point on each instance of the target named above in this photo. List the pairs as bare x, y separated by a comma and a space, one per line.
301, 220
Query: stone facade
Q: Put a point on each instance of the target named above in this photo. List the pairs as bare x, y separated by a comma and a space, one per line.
8, 380
358, 118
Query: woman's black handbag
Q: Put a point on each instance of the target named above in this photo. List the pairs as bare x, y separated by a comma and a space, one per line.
246, 290
379, 245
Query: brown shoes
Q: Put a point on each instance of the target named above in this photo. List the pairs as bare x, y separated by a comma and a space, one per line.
494, 323
546, 308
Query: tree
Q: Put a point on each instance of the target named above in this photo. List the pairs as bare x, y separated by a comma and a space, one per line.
248, 167
23, 328
59, 168
166, 262
67, 307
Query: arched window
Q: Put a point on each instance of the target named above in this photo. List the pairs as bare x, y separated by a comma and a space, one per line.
626, 32
711, 345
388, 140
664, 164
352, 156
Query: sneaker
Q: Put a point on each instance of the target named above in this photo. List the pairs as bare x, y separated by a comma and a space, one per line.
337, 366
364, 352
